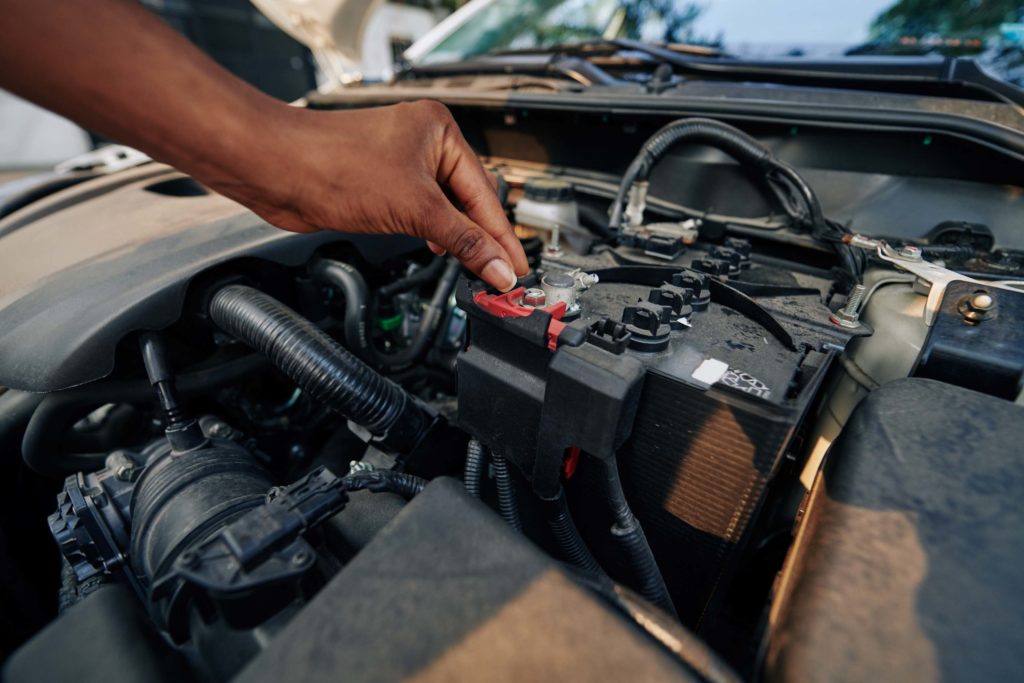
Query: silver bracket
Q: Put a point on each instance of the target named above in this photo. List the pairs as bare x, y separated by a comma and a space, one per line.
910, 260
106, 159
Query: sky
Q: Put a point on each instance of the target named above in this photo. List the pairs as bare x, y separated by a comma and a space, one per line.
786, 21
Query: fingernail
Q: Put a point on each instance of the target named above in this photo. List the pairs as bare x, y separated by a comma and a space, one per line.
499, 274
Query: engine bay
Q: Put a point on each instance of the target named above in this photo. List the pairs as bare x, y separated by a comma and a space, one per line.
276, 454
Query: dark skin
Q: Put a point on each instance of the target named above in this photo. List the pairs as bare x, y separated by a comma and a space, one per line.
116, 69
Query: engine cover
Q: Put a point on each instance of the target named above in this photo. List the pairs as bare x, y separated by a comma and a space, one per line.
115, 255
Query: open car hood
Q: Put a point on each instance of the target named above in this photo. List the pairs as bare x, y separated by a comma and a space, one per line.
332, 29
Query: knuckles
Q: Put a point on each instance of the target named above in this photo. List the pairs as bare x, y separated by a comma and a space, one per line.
469, 244
427, 113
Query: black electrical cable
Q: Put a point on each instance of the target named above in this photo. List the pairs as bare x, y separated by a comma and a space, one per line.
691, 651
473, 473
596, 221
429, 321
567, 536
507, 505
385, 481
417, 279
786, 184
183, 432
41, 446
630, 536
319, 365
352, 287
732, 141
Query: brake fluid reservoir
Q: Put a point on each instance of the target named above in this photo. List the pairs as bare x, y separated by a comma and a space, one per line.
548, 205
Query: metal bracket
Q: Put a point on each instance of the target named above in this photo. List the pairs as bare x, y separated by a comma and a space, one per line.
910, 260
106, 159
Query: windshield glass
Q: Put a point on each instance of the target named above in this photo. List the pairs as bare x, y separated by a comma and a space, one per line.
747, 28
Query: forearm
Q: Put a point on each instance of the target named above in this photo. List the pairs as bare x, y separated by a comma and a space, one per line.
116, 69
120, 71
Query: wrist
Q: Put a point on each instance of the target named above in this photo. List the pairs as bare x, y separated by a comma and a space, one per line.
244, 148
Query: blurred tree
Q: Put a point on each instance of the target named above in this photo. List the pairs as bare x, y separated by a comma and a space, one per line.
944, 17
676, 18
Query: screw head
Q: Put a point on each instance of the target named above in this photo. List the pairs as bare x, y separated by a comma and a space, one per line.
976, 307
982, 301
844, 319
910, 252
534, 297
219, 430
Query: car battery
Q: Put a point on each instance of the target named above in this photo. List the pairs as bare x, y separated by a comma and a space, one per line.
693, 385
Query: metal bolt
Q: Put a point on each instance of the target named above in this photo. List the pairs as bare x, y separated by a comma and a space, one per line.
300, 558
849, 315
975, 308
982, 301
218, 429
188, 559
356, 466
910, 252
554, 246
534, 297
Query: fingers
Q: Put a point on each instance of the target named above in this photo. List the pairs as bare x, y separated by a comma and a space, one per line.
474, 247
475, 190
436, 248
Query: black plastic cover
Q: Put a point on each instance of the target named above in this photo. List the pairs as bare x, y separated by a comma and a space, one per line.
980, 350
548, 190
910, 563
449, 592
86, 266
106, 638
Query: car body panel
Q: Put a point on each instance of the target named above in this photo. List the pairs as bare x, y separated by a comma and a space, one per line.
116, 255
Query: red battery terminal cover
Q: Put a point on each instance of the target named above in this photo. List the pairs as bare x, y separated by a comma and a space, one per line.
509, 305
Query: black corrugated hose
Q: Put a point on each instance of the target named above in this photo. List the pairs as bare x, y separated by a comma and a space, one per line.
507, 504
630, 536
567, 536
321, 366
385, 481
787, 185
473, 473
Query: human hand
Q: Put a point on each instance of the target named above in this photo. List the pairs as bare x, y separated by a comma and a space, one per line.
399, 169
